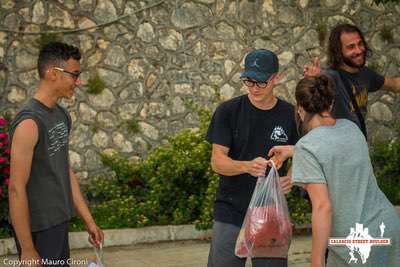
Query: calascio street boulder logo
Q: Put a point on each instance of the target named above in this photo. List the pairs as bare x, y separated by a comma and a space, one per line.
360, 242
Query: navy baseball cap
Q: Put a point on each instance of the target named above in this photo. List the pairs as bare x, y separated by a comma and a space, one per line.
260, 64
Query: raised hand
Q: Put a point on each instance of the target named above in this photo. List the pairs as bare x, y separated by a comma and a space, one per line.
313, 70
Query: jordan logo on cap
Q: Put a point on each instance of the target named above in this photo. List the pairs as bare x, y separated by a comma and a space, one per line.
255, 63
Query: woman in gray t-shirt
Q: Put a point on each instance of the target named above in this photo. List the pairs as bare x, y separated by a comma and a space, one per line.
350, 214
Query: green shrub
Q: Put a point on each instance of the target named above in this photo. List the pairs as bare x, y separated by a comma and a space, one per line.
385, 156
299, 206
167, 188
178, 177
206, 217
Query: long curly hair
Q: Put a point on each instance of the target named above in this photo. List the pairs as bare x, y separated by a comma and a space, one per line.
335, 55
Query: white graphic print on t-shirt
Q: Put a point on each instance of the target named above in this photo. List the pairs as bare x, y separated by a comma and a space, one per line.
279, 135
58, 137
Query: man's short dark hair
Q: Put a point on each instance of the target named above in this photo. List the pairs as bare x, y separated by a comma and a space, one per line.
55, 54
335, 55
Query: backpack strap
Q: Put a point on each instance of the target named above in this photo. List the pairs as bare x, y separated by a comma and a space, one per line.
241, 115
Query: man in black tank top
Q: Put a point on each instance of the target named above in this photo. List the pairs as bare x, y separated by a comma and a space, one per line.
44, 192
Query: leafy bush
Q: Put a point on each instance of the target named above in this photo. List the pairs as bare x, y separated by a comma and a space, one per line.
299, 206
169, 187
385, 156
4, 177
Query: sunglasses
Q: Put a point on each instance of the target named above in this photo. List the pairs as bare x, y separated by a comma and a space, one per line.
251, 83
74, 75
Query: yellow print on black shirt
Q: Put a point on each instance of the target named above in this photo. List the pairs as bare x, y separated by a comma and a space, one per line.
361, 98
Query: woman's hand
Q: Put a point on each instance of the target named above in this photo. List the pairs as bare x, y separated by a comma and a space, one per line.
279, 154
286, 184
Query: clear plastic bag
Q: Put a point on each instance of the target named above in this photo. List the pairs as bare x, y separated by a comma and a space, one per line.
266, 229
99, 257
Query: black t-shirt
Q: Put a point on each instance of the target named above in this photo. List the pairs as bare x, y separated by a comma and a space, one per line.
361, 83
249, 133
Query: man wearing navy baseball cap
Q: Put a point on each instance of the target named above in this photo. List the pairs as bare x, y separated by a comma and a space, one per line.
260, 65
242, 131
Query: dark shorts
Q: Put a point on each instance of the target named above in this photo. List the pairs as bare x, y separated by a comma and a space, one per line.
222, 250
52, 245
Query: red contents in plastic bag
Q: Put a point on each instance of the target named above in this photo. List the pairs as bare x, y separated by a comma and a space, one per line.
266, 234
266, 229
241, 249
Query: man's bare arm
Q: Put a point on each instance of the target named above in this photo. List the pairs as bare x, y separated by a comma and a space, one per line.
321, 222
96, 236
223, 164
392, 84
24, 140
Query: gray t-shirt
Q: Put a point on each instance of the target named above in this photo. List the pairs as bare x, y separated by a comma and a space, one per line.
49, 186
362, 83
338, 156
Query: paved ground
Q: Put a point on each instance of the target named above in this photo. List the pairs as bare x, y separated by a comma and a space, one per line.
171, 254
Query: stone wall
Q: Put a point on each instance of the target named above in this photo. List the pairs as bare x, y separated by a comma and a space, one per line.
157, 56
